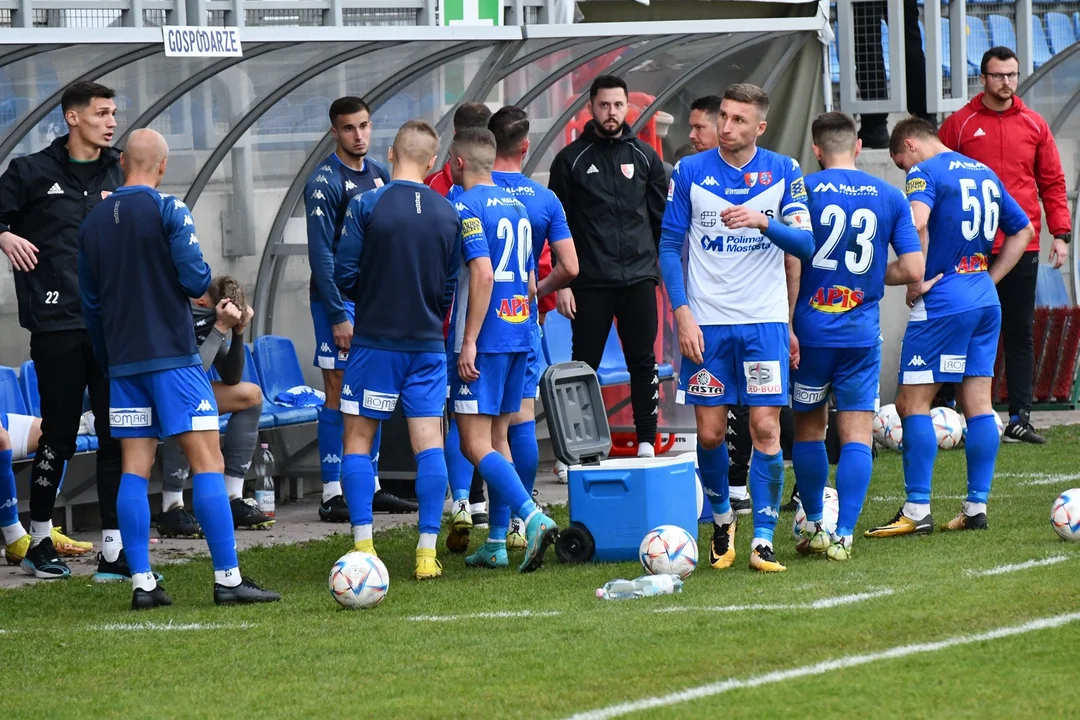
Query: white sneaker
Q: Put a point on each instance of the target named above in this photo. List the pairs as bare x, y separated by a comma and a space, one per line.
646, 450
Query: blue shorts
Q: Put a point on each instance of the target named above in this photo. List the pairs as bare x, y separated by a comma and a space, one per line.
948, 349
498, 390
744, 365
162, 403
327, 355
376, 379
851, 374
532, 371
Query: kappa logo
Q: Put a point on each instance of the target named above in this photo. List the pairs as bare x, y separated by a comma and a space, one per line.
321, 179
318, 195
324, 348
9, 503
770, 511
332, 459
188, 220
705, 384
205, 406
464, 391
317, 212
178, 204
349, 185
709, 180
55, 190
326, 168
916, 361
592, 169
192, 239
348, 212
979, 133
346, 390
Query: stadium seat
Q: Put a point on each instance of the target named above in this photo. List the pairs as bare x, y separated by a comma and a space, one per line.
11, 397
834, 59
279, 369
557, 347
558, 341
1076, 23
1041, 49
946, 48
1059, 29
1001, 30
28, 383
978, 42
1050, 288
885, 48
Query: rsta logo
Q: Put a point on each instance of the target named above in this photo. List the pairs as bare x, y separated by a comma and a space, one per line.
973, 264
514, 309
838, 299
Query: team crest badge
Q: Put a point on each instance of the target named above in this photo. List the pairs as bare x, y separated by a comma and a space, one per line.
628, 170
750, 178
378, 182
765, 178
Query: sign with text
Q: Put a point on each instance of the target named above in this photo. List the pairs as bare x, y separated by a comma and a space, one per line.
186, 41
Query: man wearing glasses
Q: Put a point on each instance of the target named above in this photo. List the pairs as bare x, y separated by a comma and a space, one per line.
1014, 141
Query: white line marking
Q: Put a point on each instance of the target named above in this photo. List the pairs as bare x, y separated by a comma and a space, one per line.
1034, 479
485, 616
903, 498
821, 668
823, 604
136, 627
1002, 569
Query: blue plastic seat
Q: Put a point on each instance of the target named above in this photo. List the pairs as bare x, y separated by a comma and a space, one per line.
29, 384
11, 397
978, 42
834, 56
1002, 32
558, 340
1041, 49
885, 48
279, 369
1050, 288
1060, 30
557, 347
1076, 23
946, 48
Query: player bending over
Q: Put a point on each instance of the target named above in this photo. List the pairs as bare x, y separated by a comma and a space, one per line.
510, 126
952, 334
143, 335
222, 310
733, 310
397, 261
856, 217
491, 336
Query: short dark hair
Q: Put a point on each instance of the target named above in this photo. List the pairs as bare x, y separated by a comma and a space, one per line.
750, 94
834, 132
471, 116
710, 104
347, 106
79, 94
606, 82
907, 129
684, 151
510, 126
226, 286
999, 52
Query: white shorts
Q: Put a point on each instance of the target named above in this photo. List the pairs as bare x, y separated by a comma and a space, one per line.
18, 427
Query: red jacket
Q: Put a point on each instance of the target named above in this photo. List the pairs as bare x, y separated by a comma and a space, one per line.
1017, 145
547, 303
440, 181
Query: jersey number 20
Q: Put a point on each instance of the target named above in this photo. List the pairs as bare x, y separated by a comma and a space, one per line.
862, 220
523, 245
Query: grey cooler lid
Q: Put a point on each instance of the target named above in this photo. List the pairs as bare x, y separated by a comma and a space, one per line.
576, 416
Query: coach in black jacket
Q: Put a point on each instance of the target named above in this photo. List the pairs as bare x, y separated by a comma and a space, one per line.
43, 200
612, 186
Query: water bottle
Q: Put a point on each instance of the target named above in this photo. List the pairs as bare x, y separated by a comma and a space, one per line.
645, 586
264, 481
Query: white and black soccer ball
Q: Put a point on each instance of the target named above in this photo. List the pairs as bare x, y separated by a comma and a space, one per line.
829, 516
359, 581
668, 550
948, 427
1065, 515
888, 430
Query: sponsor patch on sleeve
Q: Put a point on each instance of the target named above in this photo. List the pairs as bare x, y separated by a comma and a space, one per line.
799, 219
914, 185
670, 189
798, 189
471, 227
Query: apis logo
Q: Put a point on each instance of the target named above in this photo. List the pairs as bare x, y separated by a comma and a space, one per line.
514, 310
837, 299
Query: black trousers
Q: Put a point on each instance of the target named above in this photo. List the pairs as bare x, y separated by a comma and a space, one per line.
870, 58
634, 306
65, 365
1016, 291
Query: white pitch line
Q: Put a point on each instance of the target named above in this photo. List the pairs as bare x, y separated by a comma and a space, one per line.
169, 626
485, 616
1034, 479
1002, 569
822, 668
823, 604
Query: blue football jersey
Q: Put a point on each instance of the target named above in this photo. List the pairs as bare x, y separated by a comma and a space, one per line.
967, 204
735, 277
856, 217
496, 225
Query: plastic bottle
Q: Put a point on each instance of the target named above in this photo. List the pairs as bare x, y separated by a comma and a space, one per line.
645, 586
265, 496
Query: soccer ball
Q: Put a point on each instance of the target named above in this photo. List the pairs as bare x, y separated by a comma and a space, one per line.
668, 550
888, 431
829, 517
359, 581
947, 427
1065, 515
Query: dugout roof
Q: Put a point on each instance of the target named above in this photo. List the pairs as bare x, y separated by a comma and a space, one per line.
245, 132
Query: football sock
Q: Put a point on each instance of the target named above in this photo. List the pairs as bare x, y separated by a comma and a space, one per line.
211, 505
14, 531
853, 473
431, 483
713, 466
331, 427
331, 490
458, 467
133, 515
143, 581
503, 480
238, 448
981, 449
39, 531
9, 501
766, 483
810, 461
358, 484
46, 475
361, 532
111, 545
229, 577
498, 517
920, 450
171, 499
234, 487
525, 451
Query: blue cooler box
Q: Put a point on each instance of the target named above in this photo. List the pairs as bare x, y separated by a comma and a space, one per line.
619, 501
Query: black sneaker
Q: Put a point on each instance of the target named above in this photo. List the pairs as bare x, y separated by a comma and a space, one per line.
334, 510
246, 593
1020, 430
742, 507
178, 522
247, 516
791, 505
385, 502
115, 571
149, 599
44, 563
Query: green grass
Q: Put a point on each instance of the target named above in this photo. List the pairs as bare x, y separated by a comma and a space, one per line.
305, 656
